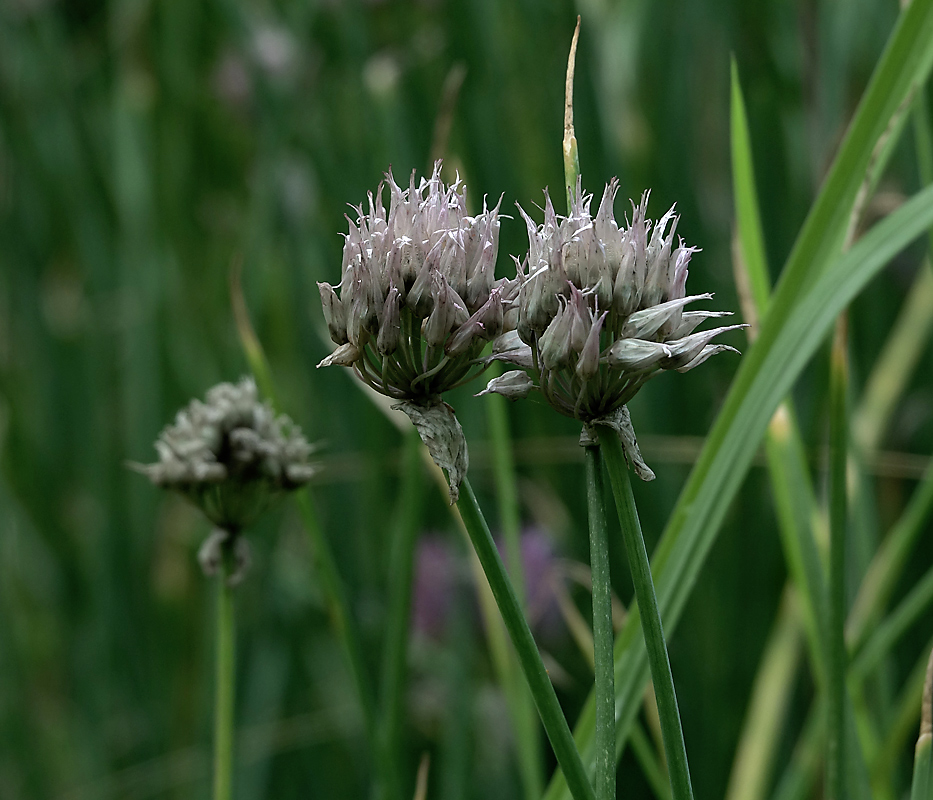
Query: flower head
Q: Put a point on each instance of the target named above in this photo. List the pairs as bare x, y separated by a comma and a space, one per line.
417, 302
231, 456
600, 309
418, 298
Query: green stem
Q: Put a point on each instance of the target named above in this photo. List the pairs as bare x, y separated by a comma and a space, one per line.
922, 786
400, 588
224, 680
836, 661
671, 731
603, 633
521, 704
555, 724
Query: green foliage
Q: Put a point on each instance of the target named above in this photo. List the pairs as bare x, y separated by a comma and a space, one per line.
147, 147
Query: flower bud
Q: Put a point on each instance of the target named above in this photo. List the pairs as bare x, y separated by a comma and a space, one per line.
335, 315
554, 345
344, 356
449, 312
231, 456
389, 324
588, 363
514, 385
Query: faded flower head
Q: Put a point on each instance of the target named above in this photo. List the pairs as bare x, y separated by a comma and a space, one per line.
417, 302
418, 298
600, 309
231, 456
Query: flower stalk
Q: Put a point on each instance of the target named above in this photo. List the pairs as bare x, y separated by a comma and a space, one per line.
225, 675
603, 633
671, 730
552, 717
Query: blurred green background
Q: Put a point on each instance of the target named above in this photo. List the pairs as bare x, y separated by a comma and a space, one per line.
147, 144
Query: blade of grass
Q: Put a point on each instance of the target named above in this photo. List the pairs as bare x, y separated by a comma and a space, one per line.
922, 786
798, 516
836, 762
745, 199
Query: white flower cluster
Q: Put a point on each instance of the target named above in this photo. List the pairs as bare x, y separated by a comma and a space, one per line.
418, 298
601, 309
232, 455
594, 311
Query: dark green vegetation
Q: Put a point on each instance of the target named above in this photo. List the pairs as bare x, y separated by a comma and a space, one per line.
144, 147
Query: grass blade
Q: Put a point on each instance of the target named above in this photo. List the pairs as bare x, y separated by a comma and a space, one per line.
836, 762
922, 788
745, 197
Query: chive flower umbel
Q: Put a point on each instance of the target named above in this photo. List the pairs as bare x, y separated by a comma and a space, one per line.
231, 456
418, 298
417, 302
600, 310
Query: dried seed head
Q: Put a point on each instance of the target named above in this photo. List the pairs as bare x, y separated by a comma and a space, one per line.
232, 456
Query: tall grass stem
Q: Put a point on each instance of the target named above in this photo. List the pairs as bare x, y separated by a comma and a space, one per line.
838, 512
922, 787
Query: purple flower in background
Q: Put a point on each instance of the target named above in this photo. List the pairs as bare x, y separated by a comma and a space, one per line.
437, 575
440, 570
